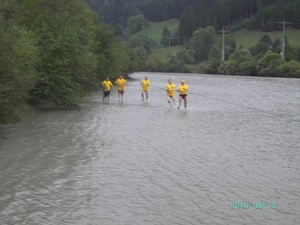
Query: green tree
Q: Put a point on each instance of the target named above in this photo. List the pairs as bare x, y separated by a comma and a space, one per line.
154, 64
202, 15
187, 24
150, 43
166, 37
55, 52
171, 64
271, 69
136, 23
215, 53
276, 43
266, 39
241, 55
270, 12
240, 62
138, 44
229, 67
131, 10
223, 13
108, 52
18, 57
290, 53
183, 29
124, 60
290, 69
175, 65
75, 50
213, 66
202, 41
67, 64
259, 48
154, 9
184, 56
268, 65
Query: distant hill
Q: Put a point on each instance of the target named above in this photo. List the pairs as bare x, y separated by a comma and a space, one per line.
155, 29
246, 38
260, 14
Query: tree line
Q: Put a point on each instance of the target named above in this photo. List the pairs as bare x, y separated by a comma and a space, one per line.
54, 52
199, 20
263, 14
202, 54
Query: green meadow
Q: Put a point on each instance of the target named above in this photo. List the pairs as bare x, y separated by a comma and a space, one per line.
155, 30
162, 53
244, 38
248, 38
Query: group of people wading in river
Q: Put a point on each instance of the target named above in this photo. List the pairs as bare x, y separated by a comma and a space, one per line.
145, 83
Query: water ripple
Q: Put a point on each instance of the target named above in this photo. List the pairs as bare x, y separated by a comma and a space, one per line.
135, 162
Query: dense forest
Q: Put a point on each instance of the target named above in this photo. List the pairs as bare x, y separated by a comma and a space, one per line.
201, 13
54, 52
199, 23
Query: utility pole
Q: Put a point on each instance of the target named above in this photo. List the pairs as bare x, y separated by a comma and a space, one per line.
223, 42
283, 37
170, 38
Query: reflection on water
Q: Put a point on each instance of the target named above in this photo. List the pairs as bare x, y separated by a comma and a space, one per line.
135, 162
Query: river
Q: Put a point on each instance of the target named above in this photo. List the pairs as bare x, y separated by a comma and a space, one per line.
231, 157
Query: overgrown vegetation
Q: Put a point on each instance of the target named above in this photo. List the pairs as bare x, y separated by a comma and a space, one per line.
235, 14
54, 52
196, 33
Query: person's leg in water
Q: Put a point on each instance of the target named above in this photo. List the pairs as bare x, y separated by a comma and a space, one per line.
169, 99
179, 102
174, 101
185, 101
105, 95
120, 94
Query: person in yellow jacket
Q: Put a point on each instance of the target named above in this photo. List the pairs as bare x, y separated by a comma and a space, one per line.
121, 83
182, 89
170, 91
106, 86
145, 85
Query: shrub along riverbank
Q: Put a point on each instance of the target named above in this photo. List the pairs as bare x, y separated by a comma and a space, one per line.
253, 53
54, 52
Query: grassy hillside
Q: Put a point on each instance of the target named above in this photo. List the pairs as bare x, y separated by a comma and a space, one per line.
155, 30
246, 38
162, 53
